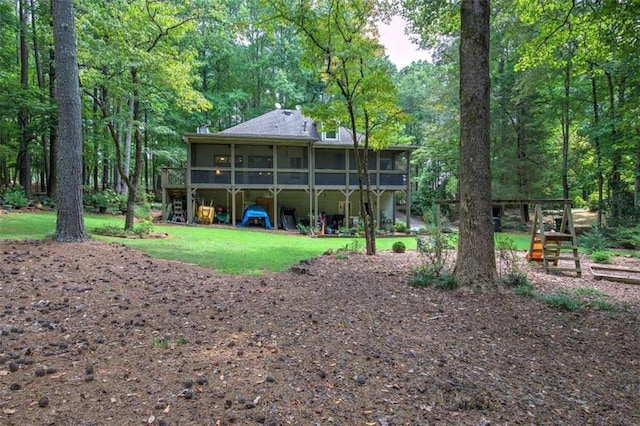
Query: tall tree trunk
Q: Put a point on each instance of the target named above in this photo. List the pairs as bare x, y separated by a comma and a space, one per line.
369, 218
636, 191
24, 162
361, 154
615, 178
127, 145
566, 127
132, 180
96, 140
40, 78
53, 129
475, 264
70, 219
596, 142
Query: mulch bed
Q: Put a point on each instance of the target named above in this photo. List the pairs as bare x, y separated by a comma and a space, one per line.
100, 334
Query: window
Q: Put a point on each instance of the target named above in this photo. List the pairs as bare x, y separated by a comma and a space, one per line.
331, 132
330, 135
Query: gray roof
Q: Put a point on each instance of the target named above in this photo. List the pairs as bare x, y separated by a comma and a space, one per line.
285, 123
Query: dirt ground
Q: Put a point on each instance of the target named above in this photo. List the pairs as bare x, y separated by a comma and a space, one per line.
99, 334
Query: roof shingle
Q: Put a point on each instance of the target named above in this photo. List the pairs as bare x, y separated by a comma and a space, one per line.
285, 123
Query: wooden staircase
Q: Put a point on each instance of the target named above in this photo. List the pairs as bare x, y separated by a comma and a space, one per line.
551, 246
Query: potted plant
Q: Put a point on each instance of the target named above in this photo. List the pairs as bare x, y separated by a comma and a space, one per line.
103, 199
122, 200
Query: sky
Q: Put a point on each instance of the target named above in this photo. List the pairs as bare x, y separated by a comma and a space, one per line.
398, 46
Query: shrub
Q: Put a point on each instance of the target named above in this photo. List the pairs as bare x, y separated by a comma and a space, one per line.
509, 263
142, 213
104, 198
591, 203
354, 246
122, 200
304, 229
426, 275
16, 197
110, 230
347, 232
145, 227
626, 237
601, 257
398, 247
594, 240
400, 227
436, 269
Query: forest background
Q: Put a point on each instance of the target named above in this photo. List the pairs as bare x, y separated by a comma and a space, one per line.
564, 92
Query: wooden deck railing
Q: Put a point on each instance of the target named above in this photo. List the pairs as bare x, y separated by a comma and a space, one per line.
174, 177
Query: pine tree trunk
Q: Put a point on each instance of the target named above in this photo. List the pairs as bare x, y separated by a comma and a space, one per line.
475, 264
24, 160
70, 219
636, 192
53, 130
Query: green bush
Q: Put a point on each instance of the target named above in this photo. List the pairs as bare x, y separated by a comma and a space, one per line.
16, 197
110, 230
400, 227
347, 232
104, 198
626, 237
304, 229
591, 204
593, 241
399, 247
510, 271
601, 257
426, 275
145, 227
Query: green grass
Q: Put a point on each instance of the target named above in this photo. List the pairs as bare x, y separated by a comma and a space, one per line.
227, 250
589, 291
575, 299
520, 241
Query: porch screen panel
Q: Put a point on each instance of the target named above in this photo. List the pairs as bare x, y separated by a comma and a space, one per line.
254, 156
400, 161
254, 178
392, 179
206, 155
330, 159
353, 179
293, 157
210, 176
371, 160
335, 179
292, 178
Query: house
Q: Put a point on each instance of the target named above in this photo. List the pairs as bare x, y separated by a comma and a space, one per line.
279, 160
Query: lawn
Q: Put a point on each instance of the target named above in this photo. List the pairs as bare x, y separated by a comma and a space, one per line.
225, 249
